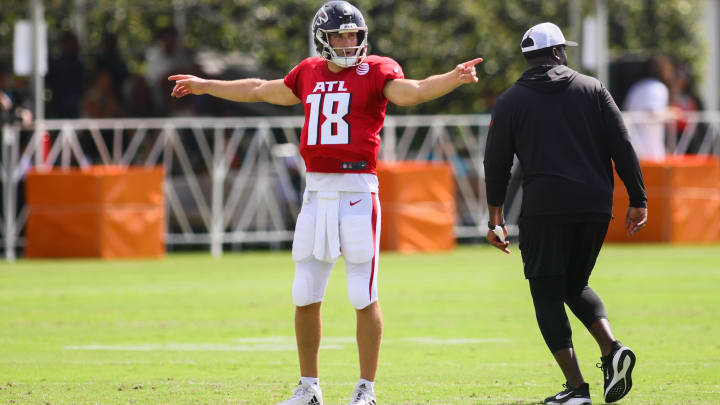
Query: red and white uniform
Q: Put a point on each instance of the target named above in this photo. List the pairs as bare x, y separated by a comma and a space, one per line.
344, 113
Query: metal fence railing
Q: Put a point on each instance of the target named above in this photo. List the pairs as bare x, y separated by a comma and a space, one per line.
234, 181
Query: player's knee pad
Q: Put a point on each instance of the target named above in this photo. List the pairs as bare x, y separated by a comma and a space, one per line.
356, 238
302, 290
311, 277
360, 297
361, 284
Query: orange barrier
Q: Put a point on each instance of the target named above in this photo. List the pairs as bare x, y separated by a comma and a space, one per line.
106, 212
683, 202
417, 202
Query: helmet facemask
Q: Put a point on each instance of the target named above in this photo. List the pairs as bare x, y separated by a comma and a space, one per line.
352, 55
338, 17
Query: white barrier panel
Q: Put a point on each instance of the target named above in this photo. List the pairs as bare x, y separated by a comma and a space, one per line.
235, 181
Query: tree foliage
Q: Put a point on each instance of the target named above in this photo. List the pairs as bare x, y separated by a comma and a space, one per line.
424, 36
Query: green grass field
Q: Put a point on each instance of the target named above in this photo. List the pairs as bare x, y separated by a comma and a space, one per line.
459, 329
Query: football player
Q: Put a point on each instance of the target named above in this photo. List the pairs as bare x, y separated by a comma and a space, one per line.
345, 93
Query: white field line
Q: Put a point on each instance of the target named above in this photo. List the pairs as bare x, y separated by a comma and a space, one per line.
275, 344
194, 347
454, 341
426, 340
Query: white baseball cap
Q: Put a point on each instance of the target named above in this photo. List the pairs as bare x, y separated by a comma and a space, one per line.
542, 36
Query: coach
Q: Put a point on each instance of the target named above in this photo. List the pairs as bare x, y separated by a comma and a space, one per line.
566, 132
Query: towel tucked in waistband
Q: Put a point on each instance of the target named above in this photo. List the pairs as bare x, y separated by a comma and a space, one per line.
327, 237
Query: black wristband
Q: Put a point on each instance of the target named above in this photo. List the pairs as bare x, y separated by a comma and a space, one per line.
491, 226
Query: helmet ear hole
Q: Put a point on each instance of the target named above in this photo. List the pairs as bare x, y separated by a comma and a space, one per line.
361, 37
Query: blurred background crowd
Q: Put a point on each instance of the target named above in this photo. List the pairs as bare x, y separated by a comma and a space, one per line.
110, 59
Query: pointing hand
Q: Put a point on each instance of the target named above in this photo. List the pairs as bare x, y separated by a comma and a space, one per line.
187, 84
466, 71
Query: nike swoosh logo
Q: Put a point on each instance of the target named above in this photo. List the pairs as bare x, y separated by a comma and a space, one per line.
353, 203
558, 396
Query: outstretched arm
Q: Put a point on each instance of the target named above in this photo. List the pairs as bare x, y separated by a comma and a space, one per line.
406, 92
244, 90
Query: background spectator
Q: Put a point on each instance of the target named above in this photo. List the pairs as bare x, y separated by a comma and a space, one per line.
100, 99
651, 95
65, 79
136, 96
11, 108
685, 101
162, 59
109, 59
683, 97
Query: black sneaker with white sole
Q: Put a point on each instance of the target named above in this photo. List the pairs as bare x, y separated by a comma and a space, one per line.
617, 368
571, 396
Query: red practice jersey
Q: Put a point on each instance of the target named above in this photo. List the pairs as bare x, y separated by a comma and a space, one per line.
344, 112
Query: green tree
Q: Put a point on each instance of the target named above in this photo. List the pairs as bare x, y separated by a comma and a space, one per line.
424, 36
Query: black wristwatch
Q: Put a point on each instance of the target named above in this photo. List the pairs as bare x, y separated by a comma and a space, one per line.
491, 226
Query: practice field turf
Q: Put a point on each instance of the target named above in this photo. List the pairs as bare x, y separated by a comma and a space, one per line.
459, 329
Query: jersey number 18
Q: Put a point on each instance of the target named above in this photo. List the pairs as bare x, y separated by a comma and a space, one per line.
334, 130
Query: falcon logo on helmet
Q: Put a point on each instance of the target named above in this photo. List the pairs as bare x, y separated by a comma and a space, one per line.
337, 17
320, 18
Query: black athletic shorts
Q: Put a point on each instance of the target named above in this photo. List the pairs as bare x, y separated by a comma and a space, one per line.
556, 245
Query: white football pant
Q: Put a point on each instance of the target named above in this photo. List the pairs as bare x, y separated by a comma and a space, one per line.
328, 223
